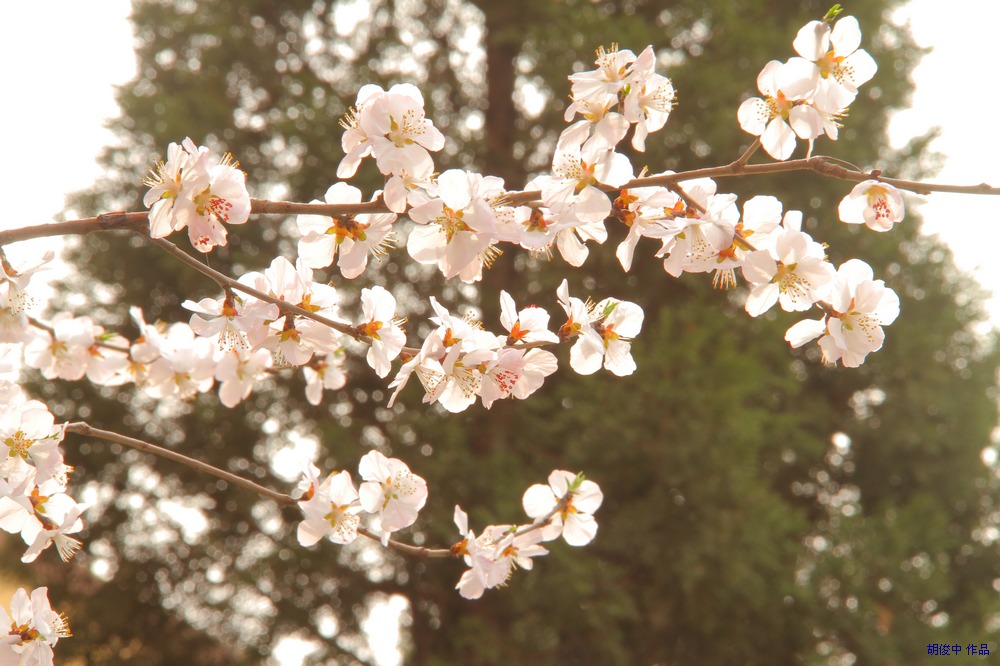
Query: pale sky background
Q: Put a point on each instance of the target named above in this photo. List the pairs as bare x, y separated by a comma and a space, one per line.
61, 57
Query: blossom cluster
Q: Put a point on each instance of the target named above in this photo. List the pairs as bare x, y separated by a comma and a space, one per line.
34, 502
565, 507
188, 191
230, 341
461, 218
806, 96
286, 317
332, 507
238, 341
393, 496
34, 629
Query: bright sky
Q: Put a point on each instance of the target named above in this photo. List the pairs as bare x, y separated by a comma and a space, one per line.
62, 57
956, 91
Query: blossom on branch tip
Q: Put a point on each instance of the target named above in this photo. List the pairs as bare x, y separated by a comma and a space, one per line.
779, 116
529, 325
873, 203
569, 502
233, 320
324, 371
391, 126
14, 282
832, 66
30, 437
237, 374
792, 271
455, 230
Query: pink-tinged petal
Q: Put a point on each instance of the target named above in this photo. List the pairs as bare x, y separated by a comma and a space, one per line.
846, 37
813, 40
759, 267
888, 308
778, 140
431, 139
753, 116
317, 251
575, 134
538, 501
455, 189
342, 193
767, 80
805, 331
618, 358
353, 262
394, 194
231, 393
560, 481
352, 160
610, 130
588, 497
833, 97
461, 252
508, 310
425, 244
579, 529
627, 318
852, 209
798, 79
309, 533
614, 172
761, 299
587, 355
862, 67
856, 271
806, 122
592, 205
626, 249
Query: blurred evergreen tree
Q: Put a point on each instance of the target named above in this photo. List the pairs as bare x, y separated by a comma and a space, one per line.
760, 508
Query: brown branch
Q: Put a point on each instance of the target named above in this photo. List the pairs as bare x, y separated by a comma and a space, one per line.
225, 281
103, 222
265, 207
824, 166
87, 430
691, 203
745, 157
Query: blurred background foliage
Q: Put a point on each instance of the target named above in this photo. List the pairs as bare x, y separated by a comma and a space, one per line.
760, 508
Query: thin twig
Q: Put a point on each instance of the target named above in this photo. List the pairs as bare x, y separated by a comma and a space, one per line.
745, 157
690, 202
104, 222
87, 430
224, 280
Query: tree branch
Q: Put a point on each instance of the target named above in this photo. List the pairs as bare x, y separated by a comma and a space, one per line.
824, 166
87, 430
224, 281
